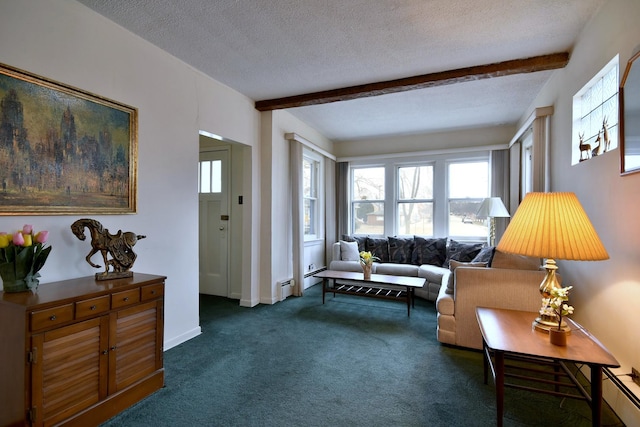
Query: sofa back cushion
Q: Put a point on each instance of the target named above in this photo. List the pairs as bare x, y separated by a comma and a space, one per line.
515, 262
432, 251
378, 247
400, 249
463, 252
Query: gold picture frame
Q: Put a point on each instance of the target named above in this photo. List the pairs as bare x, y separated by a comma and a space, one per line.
64, 151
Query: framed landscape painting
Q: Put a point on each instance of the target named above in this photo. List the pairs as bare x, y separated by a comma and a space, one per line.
63, 150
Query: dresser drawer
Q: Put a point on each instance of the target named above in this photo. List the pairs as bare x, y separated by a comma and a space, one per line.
152, 291
125, 298
89, 307
42, 319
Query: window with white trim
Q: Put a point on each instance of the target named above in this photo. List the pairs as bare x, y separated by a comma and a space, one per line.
367, 200
414, 213
312, 195
468, 187
428, 196
595, 115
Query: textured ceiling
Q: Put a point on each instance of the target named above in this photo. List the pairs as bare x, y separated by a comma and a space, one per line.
281, 48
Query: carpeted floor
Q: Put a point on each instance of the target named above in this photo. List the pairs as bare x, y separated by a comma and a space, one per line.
351, 362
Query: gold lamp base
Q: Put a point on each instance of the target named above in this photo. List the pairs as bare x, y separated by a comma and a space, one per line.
543, 323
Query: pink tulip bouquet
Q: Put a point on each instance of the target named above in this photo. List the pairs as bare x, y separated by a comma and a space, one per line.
22, 255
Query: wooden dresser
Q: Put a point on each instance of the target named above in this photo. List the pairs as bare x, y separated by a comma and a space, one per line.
80, 351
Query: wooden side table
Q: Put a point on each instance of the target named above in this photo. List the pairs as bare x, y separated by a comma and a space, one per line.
508, 334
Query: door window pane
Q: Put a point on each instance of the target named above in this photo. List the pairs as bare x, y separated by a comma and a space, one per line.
210, 176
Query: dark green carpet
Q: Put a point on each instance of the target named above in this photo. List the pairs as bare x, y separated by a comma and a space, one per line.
351, 362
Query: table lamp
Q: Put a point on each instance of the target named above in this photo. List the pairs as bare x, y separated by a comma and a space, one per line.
492, 207
552, 226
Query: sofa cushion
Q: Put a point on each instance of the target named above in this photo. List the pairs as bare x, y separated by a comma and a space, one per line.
432, 273
400, 249
349, 251
378, 247
354, 266
453, 264
513, 261
394, 269
463, 252
362, 241
431, 251
485, 255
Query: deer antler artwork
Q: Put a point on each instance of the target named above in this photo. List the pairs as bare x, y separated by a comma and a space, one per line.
119, 246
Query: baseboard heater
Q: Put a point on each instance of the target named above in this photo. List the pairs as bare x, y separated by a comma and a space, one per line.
623, 388
311, 273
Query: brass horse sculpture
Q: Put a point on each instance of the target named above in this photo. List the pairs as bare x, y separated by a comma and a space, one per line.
119, 246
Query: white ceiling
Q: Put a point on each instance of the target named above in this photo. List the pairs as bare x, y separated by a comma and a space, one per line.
279, 48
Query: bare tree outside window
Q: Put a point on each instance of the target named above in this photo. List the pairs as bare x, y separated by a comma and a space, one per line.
368, 200
415, 200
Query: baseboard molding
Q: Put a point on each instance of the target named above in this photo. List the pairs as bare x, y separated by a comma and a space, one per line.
170, 343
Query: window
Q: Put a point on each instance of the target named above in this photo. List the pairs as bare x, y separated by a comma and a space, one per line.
595, 115
435, 195
468, 186
415, 200
367, 205
210, 174
311, 190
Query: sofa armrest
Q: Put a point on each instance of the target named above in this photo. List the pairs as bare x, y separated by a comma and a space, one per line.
335, 252
495, 288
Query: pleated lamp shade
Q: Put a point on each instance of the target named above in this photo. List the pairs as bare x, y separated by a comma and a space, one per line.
552, 225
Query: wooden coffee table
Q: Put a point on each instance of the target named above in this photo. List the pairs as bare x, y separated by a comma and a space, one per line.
382, 286
508, 334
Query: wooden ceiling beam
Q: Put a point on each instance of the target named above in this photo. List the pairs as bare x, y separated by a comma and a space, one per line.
461, 75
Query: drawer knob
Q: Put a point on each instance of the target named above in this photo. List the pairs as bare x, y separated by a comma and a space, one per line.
53, 317
125, 299
105, 352
113, 348
153, 292
93, 307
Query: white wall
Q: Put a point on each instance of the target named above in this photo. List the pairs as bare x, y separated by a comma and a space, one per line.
606, 294
277, 262
459, 139
67, 42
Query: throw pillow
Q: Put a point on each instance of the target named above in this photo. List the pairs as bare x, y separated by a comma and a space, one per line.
453, 264
485, 255
378, 247
463, 252
431, 251
400, 249
362, 241
349, 251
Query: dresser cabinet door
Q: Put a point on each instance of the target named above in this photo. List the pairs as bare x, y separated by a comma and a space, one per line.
69, 372
136, 344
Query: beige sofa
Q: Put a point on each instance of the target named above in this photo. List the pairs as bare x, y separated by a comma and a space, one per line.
512, 282
434, 276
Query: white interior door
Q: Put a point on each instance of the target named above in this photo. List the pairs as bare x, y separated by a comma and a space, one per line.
214, 222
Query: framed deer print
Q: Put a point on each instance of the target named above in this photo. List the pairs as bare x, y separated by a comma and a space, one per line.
64, 150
